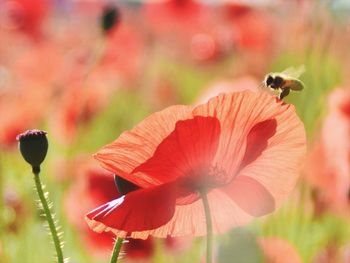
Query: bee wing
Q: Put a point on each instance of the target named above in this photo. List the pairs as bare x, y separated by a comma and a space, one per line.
296, 84
294, 72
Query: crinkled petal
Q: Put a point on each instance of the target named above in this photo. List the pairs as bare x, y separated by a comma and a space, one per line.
134, 147
238, 113
272, 157
251, 196
139, 210
189, 219
187, 151
275, 157
257, 140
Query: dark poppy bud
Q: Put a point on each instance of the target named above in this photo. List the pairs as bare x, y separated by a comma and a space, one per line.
123, 186
110, 18
33, 145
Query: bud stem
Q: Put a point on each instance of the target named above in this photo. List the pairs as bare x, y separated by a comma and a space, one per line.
48, 216
209, 225
36, 170
117, 246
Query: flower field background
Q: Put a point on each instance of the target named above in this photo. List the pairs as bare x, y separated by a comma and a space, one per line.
86, 71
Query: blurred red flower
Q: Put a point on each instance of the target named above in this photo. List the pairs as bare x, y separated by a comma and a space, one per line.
204, 47
253, 31
186, 28
125, 62
96, 186
328, 165
25, 15
245, 149
10, 126
333, 252
235, 9
227, 85
175, 16
277, 250
71, 113
251, 27
19, 113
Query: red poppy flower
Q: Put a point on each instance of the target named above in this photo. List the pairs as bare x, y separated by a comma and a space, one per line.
328, 166
250, 26
26, 15
234, 10
97, 186
243, 149
175, 16
185, 27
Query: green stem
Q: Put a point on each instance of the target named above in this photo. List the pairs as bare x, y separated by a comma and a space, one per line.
117, 246
209, 225
48, 216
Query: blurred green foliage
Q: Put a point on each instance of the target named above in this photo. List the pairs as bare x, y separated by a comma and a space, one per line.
322, 74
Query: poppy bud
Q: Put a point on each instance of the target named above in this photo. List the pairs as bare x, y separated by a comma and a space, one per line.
123, 186
110, 18
33, 145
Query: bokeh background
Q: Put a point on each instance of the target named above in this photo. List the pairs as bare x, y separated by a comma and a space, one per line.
84, 81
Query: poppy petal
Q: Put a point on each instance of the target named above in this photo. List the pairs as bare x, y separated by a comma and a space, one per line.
238, 113
139, 210
254, 199
187, 151
134, 147
257, 140
276, 168
189, 220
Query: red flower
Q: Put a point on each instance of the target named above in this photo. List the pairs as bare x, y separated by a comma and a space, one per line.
175, 16
97, 186
328, 166
244, 149
251, 27
26, 15
185, 27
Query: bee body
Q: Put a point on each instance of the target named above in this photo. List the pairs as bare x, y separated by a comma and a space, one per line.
282, 82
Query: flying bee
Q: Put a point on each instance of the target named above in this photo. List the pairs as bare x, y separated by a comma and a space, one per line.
285, 81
